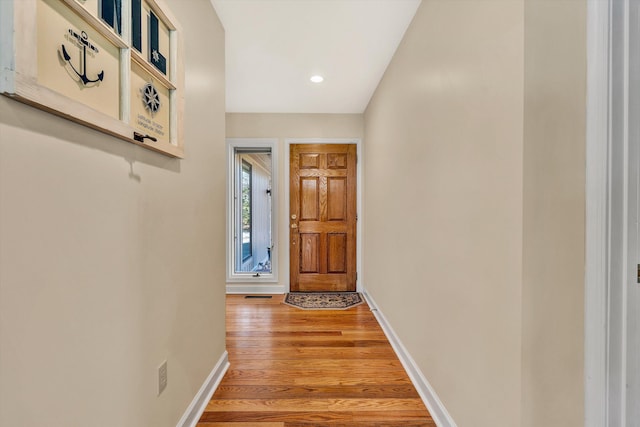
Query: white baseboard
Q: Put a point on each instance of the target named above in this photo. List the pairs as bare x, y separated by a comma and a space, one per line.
199, 402
436, 408
255, 289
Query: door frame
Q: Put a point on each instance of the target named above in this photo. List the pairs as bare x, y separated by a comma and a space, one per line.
285, 218
598, 146
611, 198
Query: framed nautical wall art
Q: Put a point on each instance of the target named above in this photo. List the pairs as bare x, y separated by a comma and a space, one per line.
112, 65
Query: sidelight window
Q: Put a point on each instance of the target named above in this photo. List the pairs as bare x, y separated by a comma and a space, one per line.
251, 210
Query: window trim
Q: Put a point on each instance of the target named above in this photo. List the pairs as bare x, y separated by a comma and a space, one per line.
232, 168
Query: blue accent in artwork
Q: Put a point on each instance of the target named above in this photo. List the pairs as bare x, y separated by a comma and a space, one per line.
136, 24
111, 13
155, 57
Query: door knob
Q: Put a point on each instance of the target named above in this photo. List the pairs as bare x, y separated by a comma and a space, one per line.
294, 225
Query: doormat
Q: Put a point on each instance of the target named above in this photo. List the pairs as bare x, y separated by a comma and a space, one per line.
323, 300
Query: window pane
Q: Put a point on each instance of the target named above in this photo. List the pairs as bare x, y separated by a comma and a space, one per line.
246, 211
253, 212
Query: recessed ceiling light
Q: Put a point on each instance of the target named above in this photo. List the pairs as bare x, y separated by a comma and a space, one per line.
317, 79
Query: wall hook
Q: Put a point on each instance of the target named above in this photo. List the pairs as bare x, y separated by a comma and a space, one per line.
140, 137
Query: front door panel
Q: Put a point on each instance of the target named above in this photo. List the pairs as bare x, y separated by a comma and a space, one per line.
323, 217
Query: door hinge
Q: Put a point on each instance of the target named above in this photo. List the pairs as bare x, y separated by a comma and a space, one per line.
638, 275
356, 276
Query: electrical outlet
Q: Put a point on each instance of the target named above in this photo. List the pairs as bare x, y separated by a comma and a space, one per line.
162, 377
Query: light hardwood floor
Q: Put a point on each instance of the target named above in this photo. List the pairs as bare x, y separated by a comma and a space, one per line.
295, 368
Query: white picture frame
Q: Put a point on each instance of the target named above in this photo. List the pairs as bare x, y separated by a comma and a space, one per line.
26, 80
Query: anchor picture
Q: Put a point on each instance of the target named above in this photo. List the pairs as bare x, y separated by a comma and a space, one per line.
82, 40
114, 66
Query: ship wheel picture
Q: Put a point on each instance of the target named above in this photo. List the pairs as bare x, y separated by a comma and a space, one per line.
150, 98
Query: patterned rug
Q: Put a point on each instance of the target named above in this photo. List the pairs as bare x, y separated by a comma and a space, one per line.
323, 300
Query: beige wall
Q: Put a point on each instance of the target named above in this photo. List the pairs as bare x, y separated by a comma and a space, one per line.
554, 213
283, 126
443, 203
474, 206
112, 258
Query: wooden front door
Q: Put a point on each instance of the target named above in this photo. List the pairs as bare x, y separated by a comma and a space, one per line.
322, 217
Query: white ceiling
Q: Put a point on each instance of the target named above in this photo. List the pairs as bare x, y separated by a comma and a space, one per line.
273, 47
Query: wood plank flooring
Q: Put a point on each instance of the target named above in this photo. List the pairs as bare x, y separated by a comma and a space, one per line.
303, 368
